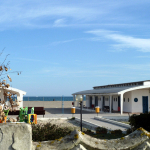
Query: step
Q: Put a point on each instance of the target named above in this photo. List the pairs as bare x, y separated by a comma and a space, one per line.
112, 121
83, 122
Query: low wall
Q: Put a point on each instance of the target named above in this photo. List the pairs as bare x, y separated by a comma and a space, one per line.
15, 136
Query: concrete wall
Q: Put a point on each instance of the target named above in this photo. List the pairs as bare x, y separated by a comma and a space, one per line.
15, 136
138, 106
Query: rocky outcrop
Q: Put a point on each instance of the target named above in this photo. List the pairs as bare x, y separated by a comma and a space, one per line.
136, 140
15, 136
18, 136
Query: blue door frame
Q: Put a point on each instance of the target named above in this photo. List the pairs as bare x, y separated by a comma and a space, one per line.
145, 104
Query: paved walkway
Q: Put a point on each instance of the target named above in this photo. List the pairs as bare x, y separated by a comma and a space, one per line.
87, 116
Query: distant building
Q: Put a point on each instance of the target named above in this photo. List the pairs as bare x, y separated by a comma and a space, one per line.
133, 97
19, 94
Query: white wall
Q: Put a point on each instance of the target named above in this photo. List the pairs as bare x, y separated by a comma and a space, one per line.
127, 106
115, 103
1, 95
93, 100
106, 99
138, 106
100, 102
87, 101
146, 83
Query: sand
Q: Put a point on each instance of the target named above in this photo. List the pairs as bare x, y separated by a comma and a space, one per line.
49, 104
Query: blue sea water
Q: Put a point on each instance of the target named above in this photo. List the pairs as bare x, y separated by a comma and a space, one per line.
49, 98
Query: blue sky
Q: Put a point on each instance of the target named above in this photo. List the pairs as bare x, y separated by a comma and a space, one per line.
63, 47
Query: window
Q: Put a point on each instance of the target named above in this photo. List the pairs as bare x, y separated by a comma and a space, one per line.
135, 99
124, 99
128, 99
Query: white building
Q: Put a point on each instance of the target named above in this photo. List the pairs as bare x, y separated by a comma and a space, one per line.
19, 94
133, 97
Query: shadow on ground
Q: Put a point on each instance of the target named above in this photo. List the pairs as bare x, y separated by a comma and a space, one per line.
66, 111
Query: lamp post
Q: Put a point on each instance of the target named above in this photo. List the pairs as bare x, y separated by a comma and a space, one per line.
79, 98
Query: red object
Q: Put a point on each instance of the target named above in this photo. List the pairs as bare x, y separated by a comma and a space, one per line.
72, 103
118, 108
92, 106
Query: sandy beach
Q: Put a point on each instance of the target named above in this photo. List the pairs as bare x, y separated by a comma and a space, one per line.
49, 104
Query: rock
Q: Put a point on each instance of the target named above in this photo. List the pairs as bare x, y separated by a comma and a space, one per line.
15, 136
79, 147
76, 139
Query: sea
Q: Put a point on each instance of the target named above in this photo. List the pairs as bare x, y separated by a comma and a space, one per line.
49, 98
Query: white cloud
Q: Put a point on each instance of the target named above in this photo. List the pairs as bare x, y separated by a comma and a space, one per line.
124, 41
59, 22
46, 14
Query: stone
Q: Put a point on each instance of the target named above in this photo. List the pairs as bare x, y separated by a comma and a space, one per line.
137, 140
79, 147
15, 136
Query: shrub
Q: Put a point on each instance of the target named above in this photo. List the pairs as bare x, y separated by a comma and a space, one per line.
48, 132
101, 129
142, 120
73, 118
89, 130
118, 131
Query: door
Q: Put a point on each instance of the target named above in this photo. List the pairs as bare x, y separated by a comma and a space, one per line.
112, 103
118, 103
96, 101
145, 104
103, 103
90, 101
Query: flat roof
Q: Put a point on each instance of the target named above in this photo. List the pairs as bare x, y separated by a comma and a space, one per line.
120, 84
104, 90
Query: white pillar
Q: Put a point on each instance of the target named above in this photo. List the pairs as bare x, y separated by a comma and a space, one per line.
82, 100
121, 104
20, 98
77, 103
110, 98
74, 100
101, 103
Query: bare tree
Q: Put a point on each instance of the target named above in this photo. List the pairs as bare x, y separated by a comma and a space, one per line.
4, 77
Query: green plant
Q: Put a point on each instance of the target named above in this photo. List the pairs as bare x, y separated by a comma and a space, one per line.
48, 132
73, 118
101, 129
89, 130
118, 131
128, 131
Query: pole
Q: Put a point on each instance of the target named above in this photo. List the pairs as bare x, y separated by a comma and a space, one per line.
63, 104
28, 101
43, 101
81, 114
